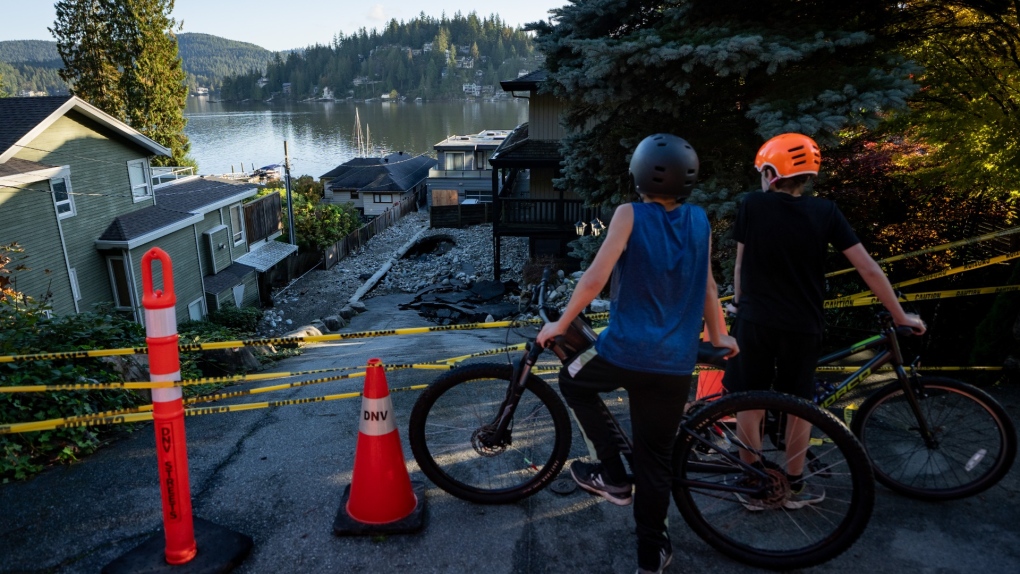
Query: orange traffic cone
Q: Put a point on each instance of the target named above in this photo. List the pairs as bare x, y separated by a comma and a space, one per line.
710, 380
381, 497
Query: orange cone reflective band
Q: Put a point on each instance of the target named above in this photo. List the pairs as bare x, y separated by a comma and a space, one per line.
168, 409
381, 489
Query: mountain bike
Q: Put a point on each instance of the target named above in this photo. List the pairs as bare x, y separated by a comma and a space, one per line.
930, 438
498, 433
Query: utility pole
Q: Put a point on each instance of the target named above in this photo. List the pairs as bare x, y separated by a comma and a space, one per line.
290, 203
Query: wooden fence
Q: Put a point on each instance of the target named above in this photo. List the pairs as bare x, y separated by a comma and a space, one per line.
356, 239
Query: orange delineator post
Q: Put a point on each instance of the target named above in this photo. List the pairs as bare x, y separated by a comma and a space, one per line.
168, 409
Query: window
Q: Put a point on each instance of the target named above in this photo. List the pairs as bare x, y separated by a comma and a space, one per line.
62, 197
482, 159
237, 224
141, 187
195, 310
119, 282
354, 194
454, 160
383, 198
75, 290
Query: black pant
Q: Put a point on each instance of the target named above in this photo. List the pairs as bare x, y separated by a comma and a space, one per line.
656, 406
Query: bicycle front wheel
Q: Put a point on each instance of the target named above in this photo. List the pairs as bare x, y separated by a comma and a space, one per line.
973, 439
738, 497
452, 417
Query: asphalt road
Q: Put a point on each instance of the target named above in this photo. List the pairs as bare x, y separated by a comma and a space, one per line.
278, 475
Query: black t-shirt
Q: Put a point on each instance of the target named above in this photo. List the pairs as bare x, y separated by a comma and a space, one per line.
786, 240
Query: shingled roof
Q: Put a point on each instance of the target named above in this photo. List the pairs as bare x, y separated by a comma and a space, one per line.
519, 150
178, 204
21, 119
396, 172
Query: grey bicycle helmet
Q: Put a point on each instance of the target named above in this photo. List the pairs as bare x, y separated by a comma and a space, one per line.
664, 164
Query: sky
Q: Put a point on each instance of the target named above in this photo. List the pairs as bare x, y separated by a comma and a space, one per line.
287, 24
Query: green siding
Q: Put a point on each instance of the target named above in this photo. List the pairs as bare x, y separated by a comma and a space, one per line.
180, 246
251, 291
242, 248
220, 257
98, 166
29, 218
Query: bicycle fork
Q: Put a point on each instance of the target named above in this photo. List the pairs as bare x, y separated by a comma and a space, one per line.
501, 426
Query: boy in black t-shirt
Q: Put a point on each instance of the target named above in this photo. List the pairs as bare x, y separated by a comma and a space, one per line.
779, 287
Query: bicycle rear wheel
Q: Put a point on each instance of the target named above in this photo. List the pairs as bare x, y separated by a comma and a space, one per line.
713, 485
974, 439
449, 421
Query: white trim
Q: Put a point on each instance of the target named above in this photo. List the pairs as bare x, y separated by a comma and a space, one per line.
146, 180
201, 309
18, 179
125, 263
151, 236
238, 237
93, 113
69, 201
67, 261
75, 290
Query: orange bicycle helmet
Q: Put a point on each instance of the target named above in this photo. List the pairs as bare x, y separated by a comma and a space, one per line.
789, 155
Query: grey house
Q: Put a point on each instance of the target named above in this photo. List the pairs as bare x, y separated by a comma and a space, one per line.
78, 197
374, 184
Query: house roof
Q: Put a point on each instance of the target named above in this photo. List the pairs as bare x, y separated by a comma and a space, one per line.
267, 255
15, 166
179, 203
396, 172
23, 119
519, 150
227, 278
525, 83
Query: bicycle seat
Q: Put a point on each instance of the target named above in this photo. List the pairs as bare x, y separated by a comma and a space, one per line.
709, 354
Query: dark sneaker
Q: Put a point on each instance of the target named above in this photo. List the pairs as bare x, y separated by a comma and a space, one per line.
665, 557
806, 494
591, 477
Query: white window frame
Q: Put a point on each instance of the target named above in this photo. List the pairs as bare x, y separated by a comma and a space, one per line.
237, 233
378, 198
196, 305
145, 186
71, 210
75, 290
450, 161
482, 159
122, 261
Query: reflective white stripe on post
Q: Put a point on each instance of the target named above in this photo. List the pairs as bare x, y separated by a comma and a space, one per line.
160, 322
377, 417
168, 394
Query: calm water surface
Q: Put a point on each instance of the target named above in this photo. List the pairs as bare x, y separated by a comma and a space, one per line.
320, 135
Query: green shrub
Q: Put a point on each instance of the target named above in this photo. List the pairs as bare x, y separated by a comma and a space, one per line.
243, 321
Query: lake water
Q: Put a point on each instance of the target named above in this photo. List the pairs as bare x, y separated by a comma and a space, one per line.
320, 135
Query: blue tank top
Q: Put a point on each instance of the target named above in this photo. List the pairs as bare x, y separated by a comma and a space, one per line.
657, 294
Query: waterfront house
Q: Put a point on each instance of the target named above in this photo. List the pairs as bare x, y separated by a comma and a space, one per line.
374, 184
463, 166
79, 198
525, 202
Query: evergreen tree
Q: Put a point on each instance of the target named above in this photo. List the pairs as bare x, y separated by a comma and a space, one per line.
153, 81
87, 43
723, 75
121, 56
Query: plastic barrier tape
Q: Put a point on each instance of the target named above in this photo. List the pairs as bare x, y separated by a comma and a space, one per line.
929, 296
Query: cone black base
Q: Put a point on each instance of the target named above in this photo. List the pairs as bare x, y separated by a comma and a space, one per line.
344, 525
219, 550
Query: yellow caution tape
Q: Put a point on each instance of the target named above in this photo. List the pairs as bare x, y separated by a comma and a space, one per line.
929, 296
935, 249
945, 273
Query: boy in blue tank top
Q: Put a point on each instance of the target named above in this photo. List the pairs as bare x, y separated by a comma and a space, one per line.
658, 253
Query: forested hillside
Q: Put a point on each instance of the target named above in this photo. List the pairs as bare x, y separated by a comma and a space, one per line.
208, 59
31, 65
425, 57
